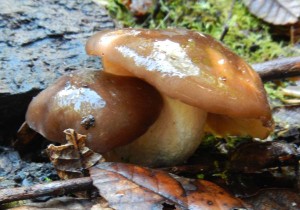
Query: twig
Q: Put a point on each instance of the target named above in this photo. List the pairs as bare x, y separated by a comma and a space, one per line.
52, 188
190, 169
278, 69
292, 32
226, 26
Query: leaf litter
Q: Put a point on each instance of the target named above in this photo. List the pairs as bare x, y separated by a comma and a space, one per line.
72, 159
127, 186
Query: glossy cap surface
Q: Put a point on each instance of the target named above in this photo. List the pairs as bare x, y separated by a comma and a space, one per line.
112, 110
186, 65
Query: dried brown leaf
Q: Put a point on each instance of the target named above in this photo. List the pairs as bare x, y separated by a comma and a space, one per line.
73, 158
279, 199
25, 133
277, 12
256, 156
127, 186
25, 138
138, 7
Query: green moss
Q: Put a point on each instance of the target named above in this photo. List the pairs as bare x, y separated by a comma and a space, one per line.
248, 36
223, 175
274, 92
210, 140
119, 12
200, 176
13, 204
47, 179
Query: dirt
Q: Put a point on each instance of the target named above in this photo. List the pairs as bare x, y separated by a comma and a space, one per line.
15, 172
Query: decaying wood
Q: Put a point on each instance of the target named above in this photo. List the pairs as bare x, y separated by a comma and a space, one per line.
40, 41
278, 69
52, 188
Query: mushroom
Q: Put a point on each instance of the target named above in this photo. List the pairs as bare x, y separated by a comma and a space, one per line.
111, 110
204, 86
159, 92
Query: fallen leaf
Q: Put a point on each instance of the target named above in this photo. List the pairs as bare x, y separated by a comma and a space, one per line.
73, 158
255, 156
138, 7
25, 134
127, 186
279, 199
277, 12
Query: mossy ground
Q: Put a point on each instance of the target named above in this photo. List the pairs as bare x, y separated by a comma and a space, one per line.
248, 36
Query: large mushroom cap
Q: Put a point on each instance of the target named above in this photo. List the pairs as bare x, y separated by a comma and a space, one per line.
112, 110
191, 67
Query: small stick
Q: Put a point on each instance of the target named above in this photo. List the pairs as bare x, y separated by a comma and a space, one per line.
191, 169
292, 34
226, 26
52, 188
278, 69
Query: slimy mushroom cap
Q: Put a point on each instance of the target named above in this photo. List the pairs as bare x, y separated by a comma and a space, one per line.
111, 110
193, 68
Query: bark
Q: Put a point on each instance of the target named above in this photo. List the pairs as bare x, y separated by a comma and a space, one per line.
41, 40
278, 69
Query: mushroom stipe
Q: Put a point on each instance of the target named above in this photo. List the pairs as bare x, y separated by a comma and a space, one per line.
183, 83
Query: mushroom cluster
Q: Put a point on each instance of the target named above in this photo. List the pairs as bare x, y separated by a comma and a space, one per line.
158, 92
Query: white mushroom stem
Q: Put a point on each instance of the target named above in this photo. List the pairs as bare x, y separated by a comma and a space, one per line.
170, 140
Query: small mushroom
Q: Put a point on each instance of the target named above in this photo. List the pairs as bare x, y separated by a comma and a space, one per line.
111, 110
203, 85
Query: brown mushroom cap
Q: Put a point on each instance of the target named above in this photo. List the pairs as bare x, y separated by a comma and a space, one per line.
191, 67
112, 110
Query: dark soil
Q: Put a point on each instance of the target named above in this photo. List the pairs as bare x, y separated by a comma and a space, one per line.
15, 172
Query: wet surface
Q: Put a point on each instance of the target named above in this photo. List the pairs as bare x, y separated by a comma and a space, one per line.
171, 61
15, 172
41, 40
